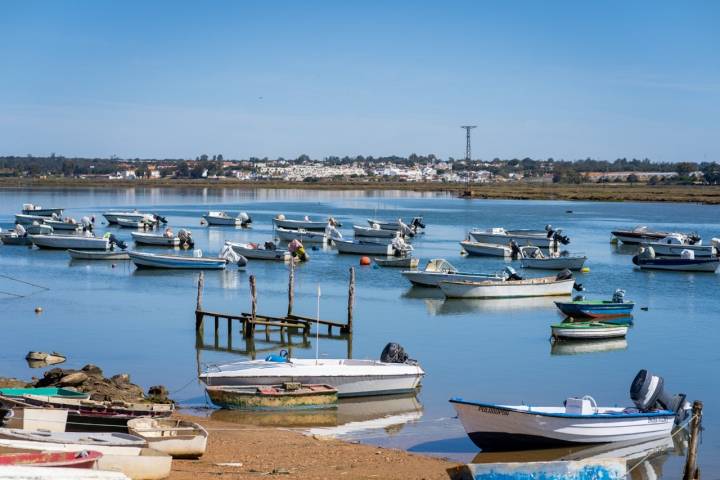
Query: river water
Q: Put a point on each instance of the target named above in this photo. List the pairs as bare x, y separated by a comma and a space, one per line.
142, 322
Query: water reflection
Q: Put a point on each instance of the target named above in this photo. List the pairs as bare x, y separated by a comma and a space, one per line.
587, 346
458, 306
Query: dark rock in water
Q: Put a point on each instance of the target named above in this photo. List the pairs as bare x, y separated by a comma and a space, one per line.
73, 380
158, 393
93, 370
52, 377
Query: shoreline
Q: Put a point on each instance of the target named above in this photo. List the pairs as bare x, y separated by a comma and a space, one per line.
703, 194
269, 451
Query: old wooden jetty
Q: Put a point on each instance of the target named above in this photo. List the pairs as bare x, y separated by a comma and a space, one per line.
249, 321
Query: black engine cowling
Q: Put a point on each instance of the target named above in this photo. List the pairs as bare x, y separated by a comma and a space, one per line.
395, 353
647, 392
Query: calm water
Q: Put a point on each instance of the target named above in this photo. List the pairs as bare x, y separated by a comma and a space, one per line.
142, 322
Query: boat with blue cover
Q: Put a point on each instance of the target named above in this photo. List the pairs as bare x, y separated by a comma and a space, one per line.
46, 391
617, 307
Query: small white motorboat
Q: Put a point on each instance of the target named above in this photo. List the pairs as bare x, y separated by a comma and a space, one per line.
401, 262
533, 257
112, 216
580, 421
306, 236
486, 249
69, 224
281, 222
167, 239
351, 378
13, 237
98, 255
25, 219
639, 234
373, 231
646, 260
75, 242
259, 252
134, 223
588, 330
510, 286
540, 238
103, 442
178, 438
674, 244
440, 270
415, 224
185, 262
30, 209
397, 247
54, 473
223, 219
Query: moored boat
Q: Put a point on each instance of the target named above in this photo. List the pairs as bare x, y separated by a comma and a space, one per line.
533, 257
98, 255
134, 223
647, 260
306, 223
13, 237
75, 242
113, 216
84, 459
177, 438
30, 209
580, 421
152, 260
363, 247
67, 224
219, 218
540, 238
639, 234
401, 262
287, 396
675, 243
587, 330
439, 270
259, 252
305, 236
373, 231
415, 224
510, 287
42, 440
25, 219
167, 239
617, 307
486, 249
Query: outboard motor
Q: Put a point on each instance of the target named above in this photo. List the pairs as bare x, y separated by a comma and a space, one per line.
417, 222
560, 238
114, 241
515, 249
512, 274
567, 274
619, 296
245, 218
185, 237
242, 262
86, 224
270, 245
648, 394
159, 219
693, 238
20, 230
395, 353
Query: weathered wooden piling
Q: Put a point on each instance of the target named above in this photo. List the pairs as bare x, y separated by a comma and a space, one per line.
198, 306
291, 288
348, 328
250, 328
691, 470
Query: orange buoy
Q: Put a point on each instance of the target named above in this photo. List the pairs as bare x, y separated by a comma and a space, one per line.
364, 260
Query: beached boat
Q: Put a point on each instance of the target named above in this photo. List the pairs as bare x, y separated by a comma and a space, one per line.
640, 234
84, 459
148, 464
177, 438
156, 239
486, 249
350, 377
74, 242
288, 396
223, 219
112, 217
47, 391
30, 209
304, 236
533, 257
281, 222
580, 421
540, 238
510, 287
440, 270
23, 472
675, 243
704, 264
401, 262
98, 255
363, 247
103, 442
182, 262
259, 252
617, 307
587, 330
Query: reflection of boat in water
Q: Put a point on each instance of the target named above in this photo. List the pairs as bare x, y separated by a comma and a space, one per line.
352, 415
587, 346
644, 459
456, 306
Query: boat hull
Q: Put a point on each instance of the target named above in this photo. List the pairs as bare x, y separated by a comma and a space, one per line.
636, 238
486, 249
297, 224
537, 240
25, 219
58, 225
51, 459
493, 427
44, 212
674, 250
98, 255
65, 242
177, 438
303, 236
678, 264
155, 239
180, 262
10, 239
554, 263
406, 262
222, 221
599, 310
112, 217
359, 231
566, 332
433, 279
507, 289
259, 253
250, 398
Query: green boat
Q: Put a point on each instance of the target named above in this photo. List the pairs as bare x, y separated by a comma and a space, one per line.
44, 391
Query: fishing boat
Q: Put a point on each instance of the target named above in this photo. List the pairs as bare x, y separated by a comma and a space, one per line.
12, 237
103, 442
639, 234
84, 459
74, 242
415, 224
35, 229
587, 330
486, 249
675, 243
392, 374
112, 217
182, 262
511, 286
177, 438
364, 247
30, 209
546, 238
373, 231
281, 222
25, 219
223, 219
579, 421
98, 255
682, 264
57, 392
259, 252
402, 262
289, 396
305, 236
134, 223
440, 270
617, 307
533, 257
167, 239
60, 224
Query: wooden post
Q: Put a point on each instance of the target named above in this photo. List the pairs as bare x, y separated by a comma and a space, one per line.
351, 302
691, 471
198, 305
229, 333
291, 289
250, 328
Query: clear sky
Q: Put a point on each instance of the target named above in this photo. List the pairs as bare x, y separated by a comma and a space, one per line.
562, 79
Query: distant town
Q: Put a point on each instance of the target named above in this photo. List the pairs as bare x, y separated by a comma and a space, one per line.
360, 169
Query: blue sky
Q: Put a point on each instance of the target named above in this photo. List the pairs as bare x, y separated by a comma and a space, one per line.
562, 79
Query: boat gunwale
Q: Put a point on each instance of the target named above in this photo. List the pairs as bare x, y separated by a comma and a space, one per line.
658, 413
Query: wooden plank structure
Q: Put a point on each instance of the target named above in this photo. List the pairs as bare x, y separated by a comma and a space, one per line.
291, 322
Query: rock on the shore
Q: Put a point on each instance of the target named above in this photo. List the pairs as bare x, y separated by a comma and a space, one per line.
12, 383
